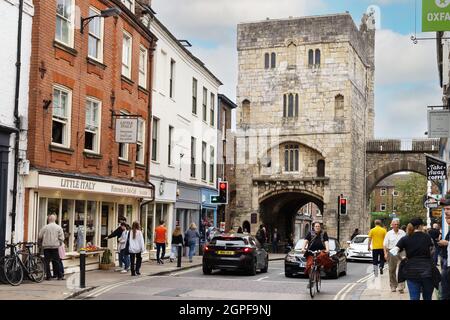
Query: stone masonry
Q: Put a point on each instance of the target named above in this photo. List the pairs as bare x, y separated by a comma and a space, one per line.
321, 130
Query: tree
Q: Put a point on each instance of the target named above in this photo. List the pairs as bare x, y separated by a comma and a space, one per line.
410, 198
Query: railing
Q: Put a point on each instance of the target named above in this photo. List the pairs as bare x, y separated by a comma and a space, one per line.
403, 145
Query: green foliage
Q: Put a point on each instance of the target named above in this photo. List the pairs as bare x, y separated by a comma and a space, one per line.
410, 200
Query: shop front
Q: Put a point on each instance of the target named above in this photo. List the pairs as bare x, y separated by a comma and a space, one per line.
188, 207
162, 208
4, 170
87, 209
209, 212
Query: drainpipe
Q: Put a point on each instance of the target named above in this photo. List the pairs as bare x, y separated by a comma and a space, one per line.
17, 121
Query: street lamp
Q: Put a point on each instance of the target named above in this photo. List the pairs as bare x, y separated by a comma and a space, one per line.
110, 12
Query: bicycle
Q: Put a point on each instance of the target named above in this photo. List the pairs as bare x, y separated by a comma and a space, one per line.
21, 261
315, 281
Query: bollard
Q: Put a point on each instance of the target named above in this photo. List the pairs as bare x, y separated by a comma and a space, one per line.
82, 269
179, 249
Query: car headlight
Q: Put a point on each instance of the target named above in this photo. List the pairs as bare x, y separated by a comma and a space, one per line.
290, 258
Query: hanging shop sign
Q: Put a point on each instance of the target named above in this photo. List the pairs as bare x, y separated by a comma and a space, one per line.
435, 15
436, 169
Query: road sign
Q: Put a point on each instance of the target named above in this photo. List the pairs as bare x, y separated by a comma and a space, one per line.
431, 204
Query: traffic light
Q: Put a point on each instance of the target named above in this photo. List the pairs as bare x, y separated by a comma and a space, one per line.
223, 192
342, 205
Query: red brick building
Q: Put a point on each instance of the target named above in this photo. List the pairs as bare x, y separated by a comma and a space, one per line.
79, 81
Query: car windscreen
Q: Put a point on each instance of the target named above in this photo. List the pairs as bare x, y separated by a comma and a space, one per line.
299, 244
361, 240
229, 242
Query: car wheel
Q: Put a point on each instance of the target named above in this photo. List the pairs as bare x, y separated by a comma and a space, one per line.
266, 267
252, 270
207, 270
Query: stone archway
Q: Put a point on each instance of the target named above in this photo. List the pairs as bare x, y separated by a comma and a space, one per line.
278, 209
391, 168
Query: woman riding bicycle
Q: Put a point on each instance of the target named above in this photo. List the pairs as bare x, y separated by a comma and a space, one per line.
316, 240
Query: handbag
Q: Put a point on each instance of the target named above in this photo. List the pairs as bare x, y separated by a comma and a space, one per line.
62, 251
401, 277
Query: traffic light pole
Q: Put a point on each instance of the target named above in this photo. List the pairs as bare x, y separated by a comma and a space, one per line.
339, 219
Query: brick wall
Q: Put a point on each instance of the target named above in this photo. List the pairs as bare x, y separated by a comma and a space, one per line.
52, 63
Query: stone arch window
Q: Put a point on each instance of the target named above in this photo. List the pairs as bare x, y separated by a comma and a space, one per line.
292, 54
245, 115
290, 105
321, 168
317, 60
266, 61
339, 106
273, 60
291, 157
311, 57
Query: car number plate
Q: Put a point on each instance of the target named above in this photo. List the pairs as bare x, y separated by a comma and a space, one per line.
226, 253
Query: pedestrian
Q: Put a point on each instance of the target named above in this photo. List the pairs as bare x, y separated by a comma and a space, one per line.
177, 240
418, 268
161, 241
403, 227
192, 237
376, 238
445, 249
261, 235
390, 242
354, 234
240, 230
117, 234
275, 240
136, 248
124, 247
50, 238
435, 234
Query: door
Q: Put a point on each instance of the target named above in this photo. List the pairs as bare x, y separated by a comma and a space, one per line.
4, 152
104, 225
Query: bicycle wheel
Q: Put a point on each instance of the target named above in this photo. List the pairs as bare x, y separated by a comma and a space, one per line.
37, 269
312, 284
13, 271
318, 281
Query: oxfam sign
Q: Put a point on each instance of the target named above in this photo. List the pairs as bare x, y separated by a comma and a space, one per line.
435, 15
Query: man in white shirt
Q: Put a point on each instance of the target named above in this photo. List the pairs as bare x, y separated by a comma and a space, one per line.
390, 242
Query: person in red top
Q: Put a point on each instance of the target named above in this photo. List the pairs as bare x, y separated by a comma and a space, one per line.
161, 241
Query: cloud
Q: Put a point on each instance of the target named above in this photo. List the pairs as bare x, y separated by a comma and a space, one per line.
399, 60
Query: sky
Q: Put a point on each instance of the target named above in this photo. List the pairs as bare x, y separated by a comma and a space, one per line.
406, 78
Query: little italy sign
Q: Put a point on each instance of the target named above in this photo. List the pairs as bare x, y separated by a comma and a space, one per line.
435, 15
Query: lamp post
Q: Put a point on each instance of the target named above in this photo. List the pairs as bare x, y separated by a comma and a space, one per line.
110, 12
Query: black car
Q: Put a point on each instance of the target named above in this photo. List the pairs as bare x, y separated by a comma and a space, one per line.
295, 262
235, 252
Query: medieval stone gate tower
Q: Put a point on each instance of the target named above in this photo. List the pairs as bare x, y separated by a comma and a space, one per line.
305, 110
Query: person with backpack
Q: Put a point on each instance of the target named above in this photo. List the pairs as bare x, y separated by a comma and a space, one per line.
317, 240
261, 235
191, 238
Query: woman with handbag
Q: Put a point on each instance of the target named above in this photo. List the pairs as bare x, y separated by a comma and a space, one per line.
418, 269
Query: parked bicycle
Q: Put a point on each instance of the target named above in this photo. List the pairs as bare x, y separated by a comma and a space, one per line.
21, 260
315, 281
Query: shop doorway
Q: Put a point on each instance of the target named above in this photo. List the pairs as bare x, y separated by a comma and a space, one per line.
4, 151
107, 222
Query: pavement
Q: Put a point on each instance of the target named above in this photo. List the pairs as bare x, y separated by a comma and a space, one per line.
70, 287
375, 288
